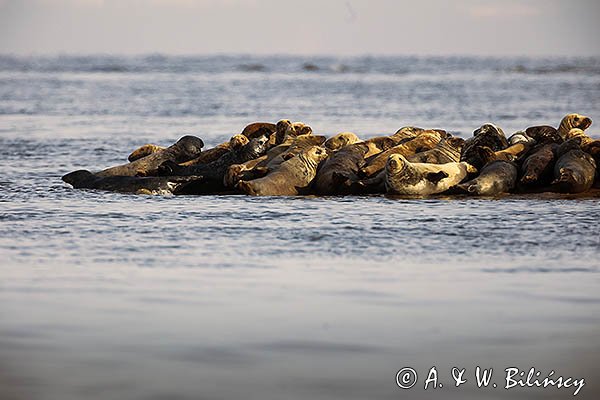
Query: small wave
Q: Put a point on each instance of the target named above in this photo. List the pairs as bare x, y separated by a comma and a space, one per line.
340, 68
107, 68
556, 69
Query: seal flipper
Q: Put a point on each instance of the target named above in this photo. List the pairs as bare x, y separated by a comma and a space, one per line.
435, 177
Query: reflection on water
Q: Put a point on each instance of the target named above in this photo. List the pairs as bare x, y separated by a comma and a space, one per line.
112, 296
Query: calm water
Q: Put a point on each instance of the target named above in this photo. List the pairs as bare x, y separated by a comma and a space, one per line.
111, 296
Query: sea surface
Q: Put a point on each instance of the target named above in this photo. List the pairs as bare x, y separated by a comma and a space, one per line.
113, 296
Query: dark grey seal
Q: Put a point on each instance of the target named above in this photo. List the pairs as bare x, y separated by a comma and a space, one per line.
575, 170
495, 178
488, 135
83, 179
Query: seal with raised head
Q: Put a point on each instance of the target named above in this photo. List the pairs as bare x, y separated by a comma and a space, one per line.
185, 149
291, 178
575, 170
83, 179
495, 178
422, 179
340, 140
488, 135
425, 140
571, 121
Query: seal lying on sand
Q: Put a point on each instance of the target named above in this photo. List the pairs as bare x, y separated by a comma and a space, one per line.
537, 167
446, 151
341, 166
425, 140
488, 135
495, 178
83, 179
185, 149
340, 140
575, 170
571, 121
291, 177
420, 179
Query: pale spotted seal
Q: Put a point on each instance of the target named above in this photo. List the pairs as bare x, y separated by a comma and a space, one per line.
421, 179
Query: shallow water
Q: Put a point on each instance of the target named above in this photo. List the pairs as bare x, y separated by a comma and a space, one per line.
112, 296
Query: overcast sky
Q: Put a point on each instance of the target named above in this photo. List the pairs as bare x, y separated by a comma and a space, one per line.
339, 27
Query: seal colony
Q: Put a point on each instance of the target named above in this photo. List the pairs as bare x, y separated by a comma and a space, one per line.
287, 159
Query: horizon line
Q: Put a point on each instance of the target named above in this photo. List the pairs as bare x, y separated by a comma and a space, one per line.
284, 54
